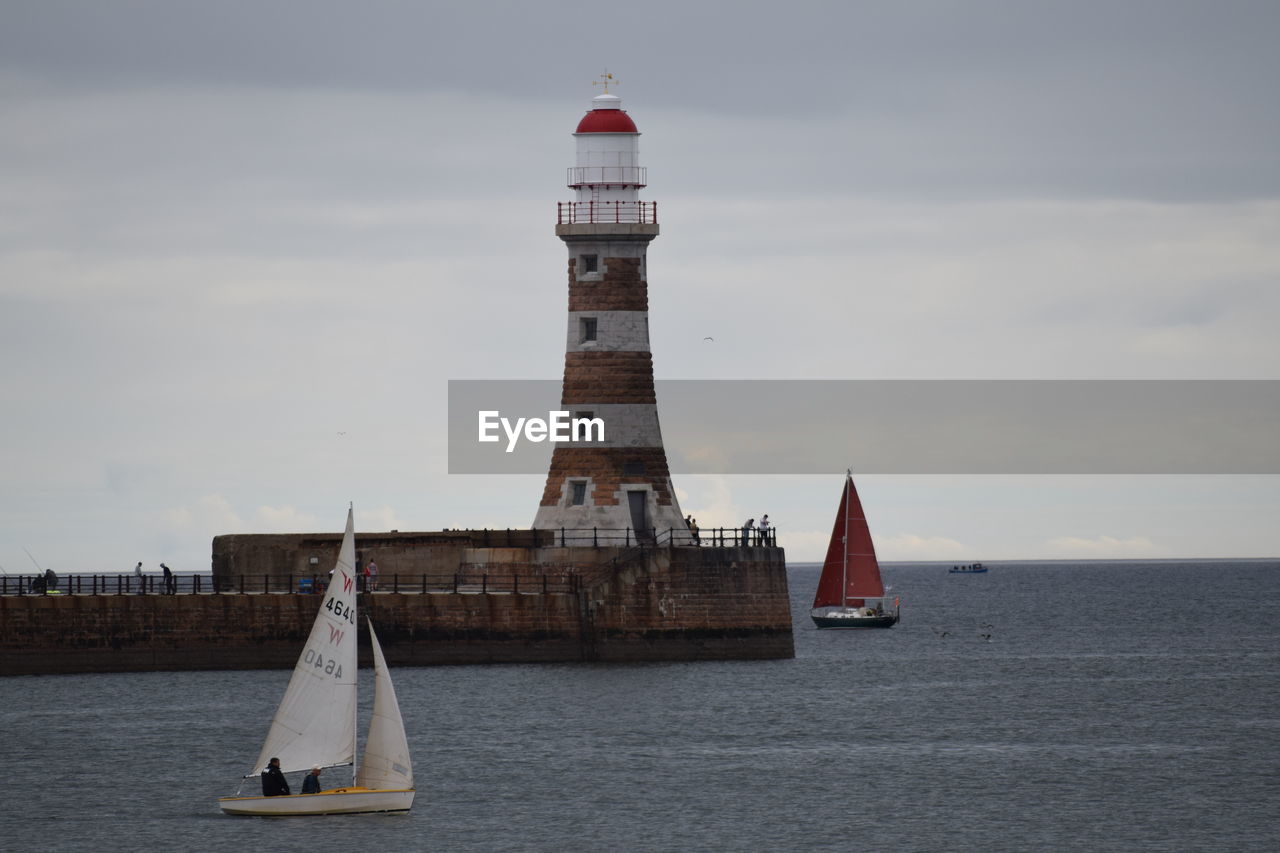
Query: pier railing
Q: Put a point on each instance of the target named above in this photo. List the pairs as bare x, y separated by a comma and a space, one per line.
503, 577
471, 578
628, 537
104, 584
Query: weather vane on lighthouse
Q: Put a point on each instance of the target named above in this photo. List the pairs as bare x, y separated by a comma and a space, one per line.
605, 79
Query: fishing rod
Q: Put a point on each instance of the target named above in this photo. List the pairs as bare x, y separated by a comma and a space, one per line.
33, 559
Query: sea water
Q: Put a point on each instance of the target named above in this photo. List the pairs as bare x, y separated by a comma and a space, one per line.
1041, 706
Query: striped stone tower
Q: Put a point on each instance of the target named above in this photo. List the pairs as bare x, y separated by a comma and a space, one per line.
621, 484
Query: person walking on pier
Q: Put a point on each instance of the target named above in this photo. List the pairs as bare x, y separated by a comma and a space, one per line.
170, 582
273, 782
137, 573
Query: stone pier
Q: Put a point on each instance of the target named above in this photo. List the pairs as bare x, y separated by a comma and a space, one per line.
660, 603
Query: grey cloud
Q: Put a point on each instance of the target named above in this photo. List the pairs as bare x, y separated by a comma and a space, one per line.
1161, 100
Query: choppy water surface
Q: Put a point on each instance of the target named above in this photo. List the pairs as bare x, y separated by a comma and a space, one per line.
1116, 706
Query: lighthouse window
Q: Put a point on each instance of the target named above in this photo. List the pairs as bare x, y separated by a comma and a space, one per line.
633, 468
578, 492
587, 263
588, 328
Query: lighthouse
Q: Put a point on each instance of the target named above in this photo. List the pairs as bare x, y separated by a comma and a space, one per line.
618, 488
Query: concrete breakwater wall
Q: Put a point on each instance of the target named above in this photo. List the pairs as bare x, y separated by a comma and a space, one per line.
673, 603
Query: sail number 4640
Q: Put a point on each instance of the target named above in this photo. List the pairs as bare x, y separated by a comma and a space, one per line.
330, 667
342, 611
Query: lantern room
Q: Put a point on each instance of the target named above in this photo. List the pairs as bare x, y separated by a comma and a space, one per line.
607, 175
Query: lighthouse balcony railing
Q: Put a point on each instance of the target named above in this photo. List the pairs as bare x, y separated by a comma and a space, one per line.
605, 212
633, 176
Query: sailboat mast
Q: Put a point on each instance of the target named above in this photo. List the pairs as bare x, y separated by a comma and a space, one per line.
355, 686
355, 724
844, 576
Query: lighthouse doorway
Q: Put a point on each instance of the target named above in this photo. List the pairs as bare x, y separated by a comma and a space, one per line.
639, 514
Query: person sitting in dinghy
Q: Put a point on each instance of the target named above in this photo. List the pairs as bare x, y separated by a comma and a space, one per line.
311, 782
273, 782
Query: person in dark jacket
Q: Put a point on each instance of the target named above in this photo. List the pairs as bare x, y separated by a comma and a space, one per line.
273, 782
311, 782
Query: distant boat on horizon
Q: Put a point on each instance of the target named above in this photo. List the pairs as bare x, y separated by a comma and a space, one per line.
971, 569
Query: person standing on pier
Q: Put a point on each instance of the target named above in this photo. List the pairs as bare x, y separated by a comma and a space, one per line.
137, 573
371, 573
170, 587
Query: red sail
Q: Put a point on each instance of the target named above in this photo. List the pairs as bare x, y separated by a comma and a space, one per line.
851, 541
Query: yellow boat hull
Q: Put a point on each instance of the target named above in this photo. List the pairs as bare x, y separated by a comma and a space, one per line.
336, 801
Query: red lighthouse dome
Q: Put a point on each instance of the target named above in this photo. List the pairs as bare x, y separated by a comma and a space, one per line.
606, 116
607, 174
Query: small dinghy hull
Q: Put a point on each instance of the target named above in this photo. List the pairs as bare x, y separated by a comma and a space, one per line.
337, 801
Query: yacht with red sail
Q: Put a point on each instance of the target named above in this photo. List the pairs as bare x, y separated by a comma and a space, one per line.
850, 592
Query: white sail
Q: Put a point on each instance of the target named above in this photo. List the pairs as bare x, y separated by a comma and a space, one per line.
385, 763
316, 721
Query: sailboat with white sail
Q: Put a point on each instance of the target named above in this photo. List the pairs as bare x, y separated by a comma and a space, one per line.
850, 592
315, 725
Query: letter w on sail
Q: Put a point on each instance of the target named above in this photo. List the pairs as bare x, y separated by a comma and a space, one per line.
347, 582
335, 635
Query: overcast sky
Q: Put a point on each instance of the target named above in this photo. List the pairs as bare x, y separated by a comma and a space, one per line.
244, 245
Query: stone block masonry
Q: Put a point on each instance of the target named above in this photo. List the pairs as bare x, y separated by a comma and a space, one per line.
695, 604
604, 469
621, 331
607, 377
620, 289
